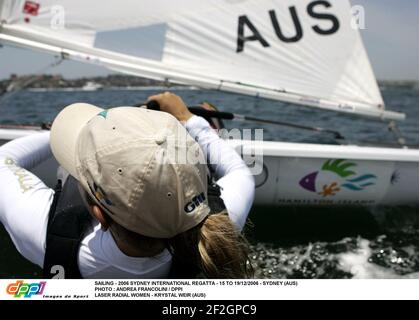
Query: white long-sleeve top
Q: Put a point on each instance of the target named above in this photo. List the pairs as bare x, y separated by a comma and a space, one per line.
25, 203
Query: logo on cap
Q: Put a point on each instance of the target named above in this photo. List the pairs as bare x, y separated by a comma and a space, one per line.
100, 195
103, 114
195, 203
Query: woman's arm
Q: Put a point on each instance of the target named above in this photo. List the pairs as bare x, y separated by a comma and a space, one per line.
24, 199
29, 151
235, 179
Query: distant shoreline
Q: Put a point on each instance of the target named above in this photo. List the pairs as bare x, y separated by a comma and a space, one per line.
42, 83
141, 88
58, 82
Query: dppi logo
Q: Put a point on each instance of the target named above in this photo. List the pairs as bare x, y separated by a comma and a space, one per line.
27, 290
338, 171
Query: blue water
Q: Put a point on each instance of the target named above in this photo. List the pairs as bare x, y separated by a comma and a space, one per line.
286, 242
37, 107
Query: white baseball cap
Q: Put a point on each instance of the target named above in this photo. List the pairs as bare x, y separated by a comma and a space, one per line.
140, 166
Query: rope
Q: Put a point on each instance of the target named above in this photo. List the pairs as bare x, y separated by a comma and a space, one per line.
21, 85
392, 126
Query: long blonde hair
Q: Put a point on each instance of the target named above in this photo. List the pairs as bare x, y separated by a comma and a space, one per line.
213, 249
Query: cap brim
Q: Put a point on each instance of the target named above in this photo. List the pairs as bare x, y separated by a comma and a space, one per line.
65, 132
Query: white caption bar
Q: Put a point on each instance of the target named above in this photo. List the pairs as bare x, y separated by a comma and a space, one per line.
208, 289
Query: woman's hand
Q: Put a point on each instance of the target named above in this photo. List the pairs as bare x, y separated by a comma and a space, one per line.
172, 104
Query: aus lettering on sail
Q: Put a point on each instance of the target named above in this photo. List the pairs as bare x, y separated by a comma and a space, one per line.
318, 10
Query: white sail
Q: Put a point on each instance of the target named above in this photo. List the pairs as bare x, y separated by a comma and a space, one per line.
302, 52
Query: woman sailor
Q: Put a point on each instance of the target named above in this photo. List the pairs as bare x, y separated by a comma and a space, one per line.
130, 208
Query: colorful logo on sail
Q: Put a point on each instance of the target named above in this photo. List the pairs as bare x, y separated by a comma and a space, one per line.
342, 175
26, 290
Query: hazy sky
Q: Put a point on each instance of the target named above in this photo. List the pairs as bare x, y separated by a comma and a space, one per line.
391, 38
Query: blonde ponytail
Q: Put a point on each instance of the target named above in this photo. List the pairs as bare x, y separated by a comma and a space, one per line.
214, 249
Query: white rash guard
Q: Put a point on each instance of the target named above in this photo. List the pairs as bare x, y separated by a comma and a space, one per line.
25, 203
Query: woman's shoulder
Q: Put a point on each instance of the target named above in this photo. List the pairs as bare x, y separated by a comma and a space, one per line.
100, 257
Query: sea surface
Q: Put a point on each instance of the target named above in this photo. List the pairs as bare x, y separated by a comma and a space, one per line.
296, 243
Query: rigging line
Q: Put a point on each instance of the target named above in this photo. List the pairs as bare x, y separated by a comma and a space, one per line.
256, 100
167, 82
393, 128
336, 134
20, 85
221, 85
197, 110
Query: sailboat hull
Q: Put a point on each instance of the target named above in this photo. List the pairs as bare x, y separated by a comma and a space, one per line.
299, 181
294, 174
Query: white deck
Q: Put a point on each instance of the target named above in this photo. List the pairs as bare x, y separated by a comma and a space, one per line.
287, 149
302, 150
